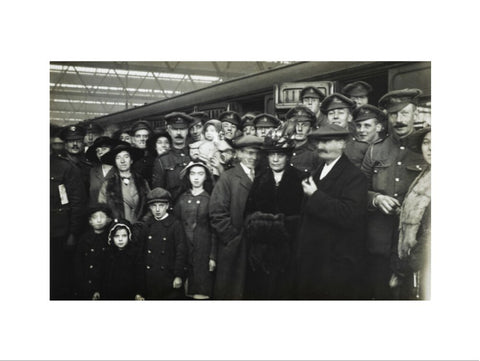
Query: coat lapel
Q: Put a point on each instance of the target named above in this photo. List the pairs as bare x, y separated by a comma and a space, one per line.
242, 177
331, 178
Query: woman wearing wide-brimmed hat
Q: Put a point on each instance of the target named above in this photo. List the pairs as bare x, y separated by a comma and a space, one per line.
273, 212
126, 191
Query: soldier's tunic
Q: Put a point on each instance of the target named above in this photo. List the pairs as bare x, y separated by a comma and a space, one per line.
390, 169
305, 159
167, 168
355, 150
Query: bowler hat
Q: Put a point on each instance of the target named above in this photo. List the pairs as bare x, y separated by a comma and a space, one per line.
135, 153
396, 100
159, 195
311, 92
357, 89
336, 101
247, 141
368, 111
328, 132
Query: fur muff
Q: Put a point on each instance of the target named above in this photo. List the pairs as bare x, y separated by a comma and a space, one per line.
268, 241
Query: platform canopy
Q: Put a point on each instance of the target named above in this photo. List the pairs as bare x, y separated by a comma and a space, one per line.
85, 90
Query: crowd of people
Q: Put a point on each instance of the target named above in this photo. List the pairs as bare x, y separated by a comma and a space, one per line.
330, 203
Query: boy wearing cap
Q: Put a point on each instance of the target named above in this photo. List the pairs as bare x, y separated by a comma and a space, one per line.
167, 167
331, 237
390, 168
227, 205
163, 249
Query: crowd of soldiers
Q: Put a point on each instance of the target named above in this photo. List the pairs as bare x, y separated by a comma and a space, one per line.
307, 207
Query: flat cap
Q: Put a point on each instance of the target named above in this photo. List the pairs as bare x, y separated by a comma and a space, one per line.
135, 153
396, 100
199, 117
311, 92
329, 131
178, 120
336, 101
414, 140
94, 128
368, 111
266, 120
230, 117
72, 132
357, 89
139, 125
247, 141
159, 195
301, 113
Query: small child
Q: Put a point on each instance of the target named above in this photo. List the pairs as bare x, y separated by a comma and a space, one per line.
192, 210
120, 281
163, 250
88, 260
208, 149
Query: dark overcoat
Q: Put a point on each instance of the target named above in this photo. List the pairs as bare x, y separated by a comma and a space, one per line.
163, 255
96, 181
270, 277
192, 211
331, 236
88, 263
227, 207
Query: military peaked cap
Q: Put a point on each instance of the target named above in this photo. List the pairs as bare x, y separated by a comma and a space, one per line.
396, 100
336, 101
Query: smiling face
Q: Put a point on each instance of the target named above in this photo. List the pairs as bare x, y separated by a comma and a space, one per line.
367, 130
196, 132
248, 156
340, 117
229, 130
162, 145
401, 122
140, 138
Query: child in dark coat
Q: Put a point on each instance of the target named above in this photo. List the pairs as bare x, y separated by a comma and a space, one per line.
192, 210
163, 251
90, 251
120, 281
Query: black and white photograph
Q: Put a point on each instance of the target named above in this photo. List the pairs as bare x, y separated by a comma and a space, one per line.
258, 174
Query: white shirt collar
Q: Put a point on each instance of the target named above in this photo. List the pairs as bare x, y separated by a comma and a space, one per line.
247, 170
328, 167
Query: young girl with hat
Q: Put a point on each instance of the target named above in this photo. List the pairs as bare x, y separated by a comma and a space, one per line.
192, 210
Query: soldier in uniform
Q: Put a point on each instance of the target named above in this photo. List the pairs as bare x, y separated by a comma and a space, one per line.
167, 167
73, 136
247, 126
358, 92
368, 121
230, 124
312, 98
67, 201
304, 156
390, 168
196, 126
265, 123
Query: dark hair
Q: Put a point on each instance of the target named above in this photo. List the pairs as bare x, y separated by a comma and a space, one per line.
152, 141
207, 184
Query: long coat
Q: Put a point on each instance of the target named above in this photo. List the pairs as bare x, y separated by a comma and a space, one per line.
331, 236
227, 206
270, 256
163, 256
96, 180
192, 211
